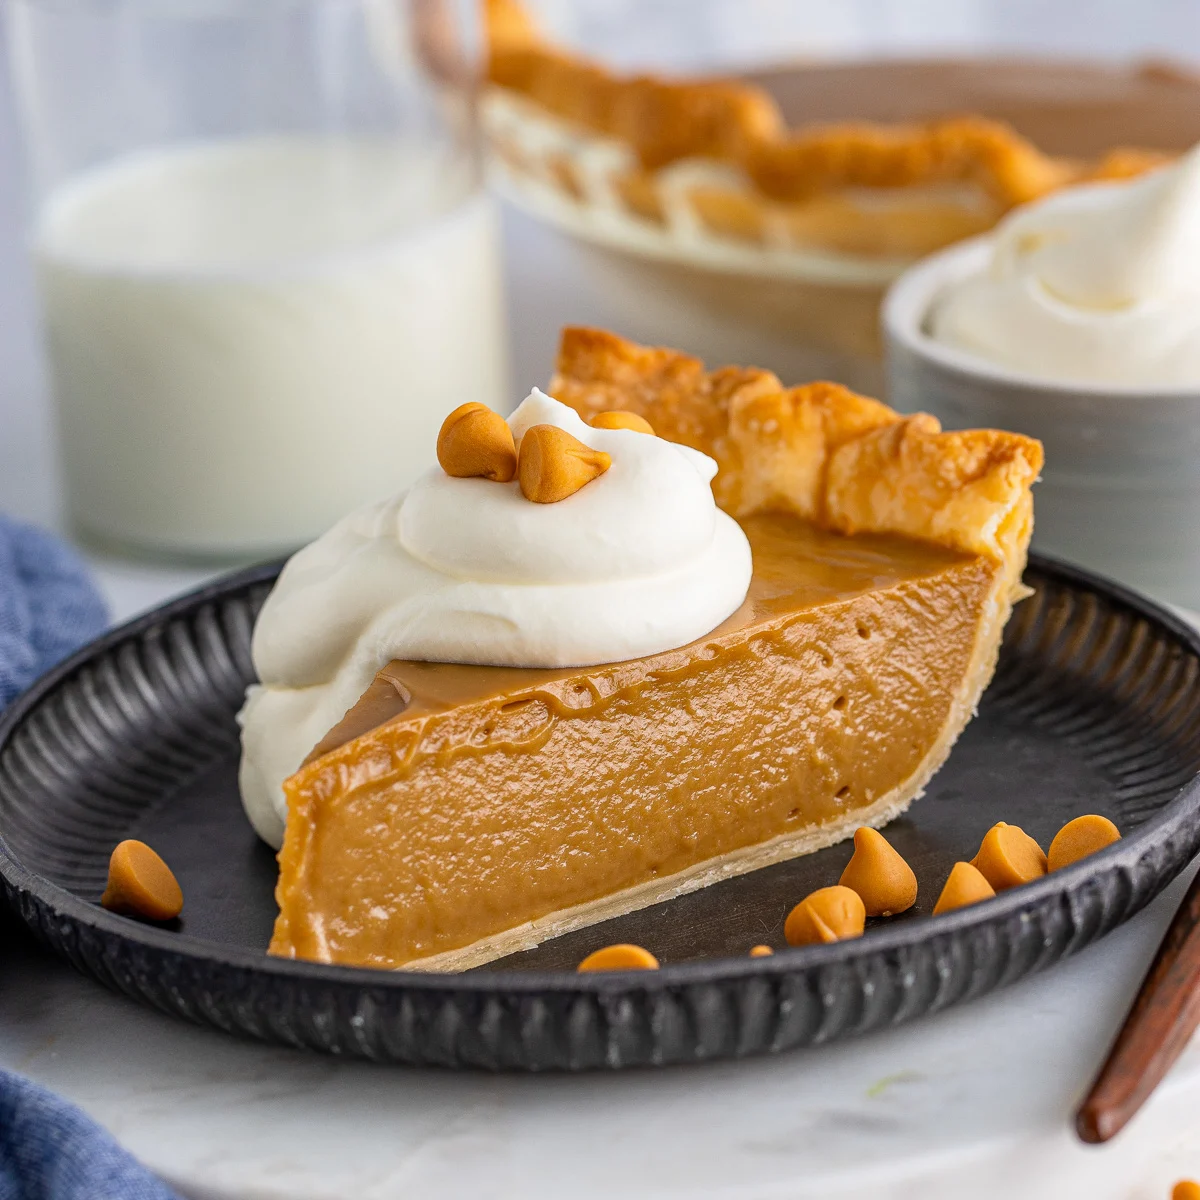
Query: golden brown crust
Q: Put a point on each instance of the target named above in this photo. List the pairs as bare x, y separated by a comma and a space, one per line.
960, 150
662, 121
967, 489
665, 121
841, 460
1127, 162
508, 26
913, 224
599, 372
964, 149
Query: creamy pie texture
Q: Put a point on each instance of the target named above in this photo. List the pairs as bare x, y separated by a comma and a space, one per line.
459, 812
834, 679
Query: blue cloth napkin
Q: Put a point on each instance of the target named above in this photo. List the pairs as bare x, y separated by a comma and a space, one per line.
48, 605
49, 1149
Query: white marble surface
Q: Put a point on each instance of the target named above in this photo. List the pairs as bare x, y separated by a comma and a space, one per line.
975, 1102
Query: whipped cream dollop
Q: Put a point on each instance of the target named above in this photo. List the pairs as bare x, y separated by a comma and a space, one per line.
638, 561
1097, 284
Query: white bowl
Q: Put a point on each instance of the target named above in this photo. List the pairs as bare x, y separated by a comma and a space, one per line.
1120, 492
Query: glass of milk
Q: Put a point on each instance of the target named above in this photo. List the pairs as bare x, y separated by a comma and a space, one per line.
266, 264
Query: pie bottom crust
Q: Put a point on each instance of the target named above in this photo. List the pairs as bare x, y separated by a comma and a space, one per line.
981, 667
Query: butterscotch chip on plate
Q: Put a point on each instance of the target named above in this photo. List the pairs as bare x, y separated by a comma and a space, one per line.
1079, 838
140, 884
827, 915
965, 885
881, 877
1008, 857
623, 956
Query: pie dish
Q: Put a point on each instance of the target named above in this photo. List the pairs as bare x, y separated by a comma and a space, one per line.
712, 164
460, 813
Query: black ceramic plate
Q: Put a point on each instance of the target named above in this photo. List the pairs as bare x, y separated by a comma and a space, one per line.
1095, 708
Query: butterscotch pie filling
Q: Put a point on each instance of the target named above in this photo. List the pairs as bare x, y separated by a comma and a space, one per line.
843, 644
460, 811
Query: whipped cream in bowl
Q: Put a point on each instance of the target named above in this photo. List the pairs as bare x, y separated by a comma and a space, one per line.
467, 570
1077, 321
1096, 285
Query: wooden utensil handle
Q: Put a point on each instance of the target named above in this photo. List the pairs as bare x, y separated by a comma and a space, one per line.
1162, 1019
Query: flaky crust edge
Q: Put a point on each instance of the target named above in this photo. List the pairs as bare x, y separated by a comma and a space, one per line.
819, 451
731, 121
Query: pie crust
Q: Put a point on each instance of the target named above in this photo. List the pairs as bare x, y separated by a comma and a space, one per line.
715, 157
842, 461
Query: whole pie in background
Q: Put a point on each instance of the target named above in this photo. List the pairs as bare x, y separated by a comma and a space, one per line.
715, 163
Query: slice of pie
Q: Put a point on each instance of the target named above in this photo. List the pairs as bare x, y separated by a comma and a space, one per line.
460, 813
713, 160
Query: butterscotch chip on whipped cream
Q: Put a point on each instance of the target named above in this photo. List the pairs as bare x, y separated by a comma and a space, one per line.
621, 420
553, 465
827, 915
624, 956
476, 442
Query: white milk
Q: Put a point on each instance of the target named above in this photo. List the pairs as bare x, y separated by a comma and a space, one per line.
249, 339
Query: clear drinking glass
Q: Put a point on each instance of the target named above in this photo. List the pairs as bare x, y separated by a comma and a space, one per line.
266, 264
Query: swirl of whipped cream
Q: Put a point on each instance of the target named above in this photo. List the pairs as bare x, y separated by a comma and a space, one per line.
638, 561
1096, 284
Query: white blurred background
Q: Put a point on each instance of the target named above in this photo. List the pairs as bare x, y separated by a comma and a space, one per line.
700, 34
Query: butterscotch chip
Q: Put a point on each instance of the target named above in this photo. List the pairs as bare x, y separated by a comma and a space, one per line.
140, 884
1079, 838
553, 465
827, 915
476, 442
1008, 856
624, 956
761, 951
966, 885
622, 420
883, 880
1186, 1189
